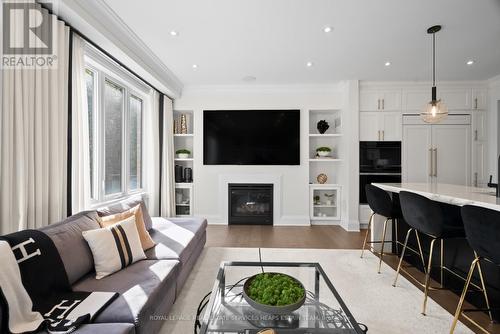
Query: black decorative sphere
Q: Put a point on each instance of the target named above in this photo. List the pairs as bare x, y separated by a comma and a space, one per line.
322, 126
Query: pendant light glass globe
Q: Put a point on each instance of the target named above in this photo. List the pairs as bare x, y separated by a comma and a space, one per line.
434, 112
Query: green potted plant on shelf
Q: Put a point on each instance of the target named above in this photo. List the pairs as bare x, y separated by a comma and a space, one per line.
183, 153
316, 200
323, 151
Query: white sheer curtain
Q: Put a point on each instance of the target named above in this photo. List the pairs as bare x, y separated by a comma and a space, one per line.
152, 154
167, 163
33, 154
80, 156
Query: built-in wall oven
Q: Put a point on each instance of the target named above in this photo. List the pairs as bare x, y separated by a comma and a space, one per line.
379, 162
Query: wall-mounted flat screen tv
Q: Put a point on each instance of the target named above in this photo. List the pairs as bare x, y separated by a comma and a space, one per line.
251, 137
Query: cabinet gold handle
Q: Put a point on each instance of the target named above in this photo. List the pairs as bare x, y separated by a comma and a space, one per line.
475, 179
436, 162
378, 135
383, 135
383, 104
430, 163
378, 106
475, 135
475, 103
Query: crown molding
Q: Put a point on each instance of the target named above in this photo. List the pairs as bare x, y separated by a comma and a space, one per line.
102, 19
423, 84
277, 88
495, 81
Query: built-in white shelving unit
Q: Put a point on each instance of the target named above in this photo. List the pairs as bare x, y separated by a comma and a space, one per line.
324, 202
325, 199
184, 199
184, 191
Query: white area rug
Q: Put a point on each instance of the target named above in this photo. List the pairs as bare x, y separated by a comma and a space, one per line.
370, 297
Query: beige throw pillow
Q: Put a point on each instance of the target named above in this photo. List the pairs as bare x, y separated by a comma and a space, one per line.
136, 211
114, 247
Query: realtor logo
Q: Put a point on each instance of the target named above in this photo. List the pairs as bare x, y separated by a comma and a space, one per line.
28, 35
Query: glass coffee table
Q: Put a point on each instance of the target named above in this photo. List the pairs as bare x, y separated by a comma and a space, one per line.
323, 311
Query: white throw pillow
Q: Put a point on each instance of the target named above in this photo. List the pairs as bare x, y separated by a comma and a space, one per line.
114, 247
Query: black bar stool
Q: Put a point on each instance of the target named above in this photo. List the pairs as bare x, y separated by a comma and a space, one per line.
482, 228
426, 216
381, 204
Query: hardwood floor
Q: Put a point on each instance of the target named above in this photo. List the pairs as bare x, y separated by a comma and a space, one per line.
326, 237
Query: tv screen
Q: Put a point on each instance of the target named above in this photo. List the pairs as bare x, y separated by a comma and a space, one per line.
251, 137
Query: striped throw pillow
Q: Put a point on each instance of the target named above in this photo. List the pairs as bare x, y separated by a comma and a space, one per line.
114, 247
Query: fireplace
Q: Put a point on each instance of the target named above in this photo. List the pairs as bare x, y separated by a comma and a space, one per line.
250, 204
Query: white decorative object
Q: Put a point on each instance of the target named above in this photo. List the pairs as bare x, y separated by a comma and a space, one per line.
183, 155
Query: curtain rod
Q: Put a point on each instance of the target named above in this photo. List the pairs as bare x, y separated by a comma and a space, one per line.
88, 40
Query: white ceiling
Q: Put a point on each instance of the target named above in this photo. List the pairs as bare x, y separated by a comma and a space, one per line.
274, 39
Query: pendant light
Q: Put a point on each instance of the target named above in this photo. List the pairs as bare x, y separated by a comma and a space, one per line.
435, 110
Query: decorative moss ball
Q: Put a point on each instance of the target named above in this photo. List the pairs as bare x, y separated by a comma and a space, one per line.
275, 289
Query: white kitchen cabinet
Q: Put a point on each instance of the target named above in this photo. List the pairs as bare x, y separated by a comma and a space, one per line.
417, 152
439, 152
455, 99
380, 126
415, 100
380, 100
392, 126
479, 99
479, 125
480, 174
391, 100
369, 100
369, 129
451, 154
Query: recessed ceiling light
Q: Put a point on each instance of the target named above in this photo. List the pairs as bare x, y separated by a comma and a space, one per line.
195, 66
249, 78
309, 64
387, 63
327, 29
470, 62
174, 33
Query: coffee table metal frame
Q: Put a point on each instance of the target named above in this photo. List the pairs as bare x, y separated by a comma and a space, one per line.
220, 287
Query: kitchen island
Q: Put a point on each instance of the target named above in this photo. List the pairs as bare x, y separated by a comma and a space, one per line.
457, 253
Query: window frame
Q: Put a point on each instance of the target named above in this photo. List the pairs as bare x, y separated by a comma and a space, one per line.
104, 70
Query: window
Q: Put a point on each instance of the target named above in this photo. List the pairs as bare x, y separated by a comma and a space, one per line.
115, 112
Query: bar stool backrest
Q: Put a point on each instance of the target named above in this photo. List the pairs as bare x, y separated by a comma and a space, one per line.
421, 213
379, 201
482, 229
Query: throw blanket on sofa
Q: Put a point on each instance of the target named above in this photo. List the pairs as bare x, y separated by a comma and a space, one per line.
36, 290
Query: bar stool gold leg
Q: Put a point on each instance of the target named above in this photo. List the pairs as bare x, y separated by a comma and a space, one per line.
420, 251
383, 245
402, 255
441, 256
483, 286
462, 297
395, 222
366, 235
427, 276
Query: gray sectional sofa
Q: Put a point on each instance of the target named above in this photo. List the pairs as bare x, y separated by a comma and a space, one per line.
147, 288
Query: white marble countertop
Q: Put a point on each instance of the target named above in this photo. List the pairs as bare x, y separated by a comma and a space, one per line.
448, 193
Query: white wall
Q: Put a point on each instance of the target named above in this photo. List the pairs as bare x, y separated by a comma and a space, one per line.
294, 179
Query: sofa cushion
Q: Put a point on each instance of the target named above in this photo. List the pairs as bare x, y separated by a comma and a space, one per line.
125, 205
74, 251
115, 247
175, 238
141, 286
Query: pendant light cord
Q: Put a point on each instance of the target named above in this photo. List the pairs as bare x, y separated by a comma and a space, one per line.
433, 59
